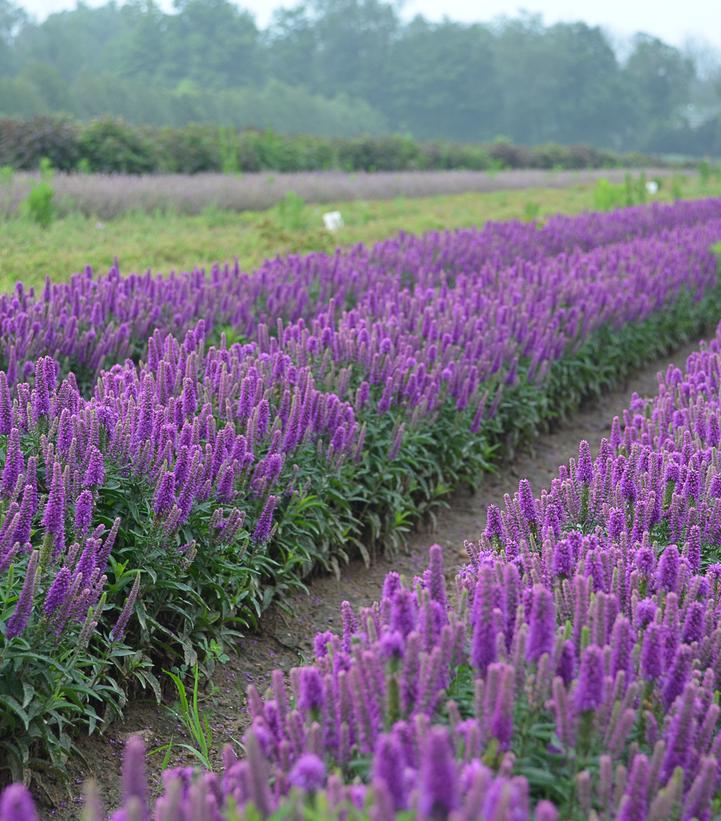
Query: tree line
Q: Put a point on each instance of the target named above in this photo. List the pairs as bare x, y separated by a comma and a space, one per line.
352, 67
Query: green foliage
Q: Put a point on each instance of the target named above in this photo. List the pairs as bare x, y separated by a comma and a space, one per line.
607, 195
677, 187
189, 715
52, 686
316, 69
291, 212
641, 190
531, 210
112, 146
228, 147
38, 205
704, 172
24, 142
7, 172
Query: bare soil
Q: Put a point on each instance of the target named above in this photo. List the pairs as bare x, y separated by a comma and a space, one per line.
285, 636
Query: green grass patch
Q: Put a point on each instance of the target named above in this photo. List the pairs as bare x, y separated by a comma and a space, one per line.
164, 241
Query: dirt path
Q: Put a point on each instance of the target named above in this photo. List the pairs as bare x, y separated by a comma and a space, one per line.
285, 638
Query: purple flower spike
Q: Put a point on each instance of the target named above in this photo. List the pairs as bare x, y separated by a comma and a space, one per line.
165, 494
634, 804
483, 646
135, 785
14, 463
264, 524
95, 471
438, 780
16, 804
585, 463
6, 406
308, 773
494, 523
437, 580
311, 697
388, 767
542, 633
58, 591
83, 512
527, 502
668, 568
54, 514
17, 623
652, 652
118, 631
589, 693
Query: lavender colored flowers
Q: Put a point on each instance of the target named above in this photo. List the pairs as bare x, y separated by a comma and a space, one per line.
591, 610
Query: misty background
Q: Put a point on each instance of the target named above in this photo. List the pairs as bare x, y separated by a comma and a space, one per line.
350, 67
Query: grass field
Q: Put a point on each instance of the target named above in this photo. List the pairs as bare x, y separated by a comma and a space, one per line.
165, 241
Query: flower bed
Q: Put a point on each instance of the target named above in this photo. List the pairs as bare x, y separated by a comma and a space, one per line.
573, 667
191, 487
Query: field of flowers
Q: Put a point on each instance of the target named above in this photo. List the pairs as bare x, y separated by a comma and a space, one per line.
573, 668
177, 453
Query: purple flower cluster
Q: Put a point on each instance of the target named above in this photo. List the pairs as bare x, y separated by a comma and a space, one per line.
95, 322
585, 633
226, 426
588, 607
223, 426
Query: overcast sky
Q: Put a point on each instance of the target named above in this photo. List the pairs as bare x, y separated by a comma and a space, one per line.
672, 21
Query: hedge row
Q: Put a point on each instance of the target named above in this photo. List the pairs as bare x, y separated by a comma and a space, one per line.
113, 146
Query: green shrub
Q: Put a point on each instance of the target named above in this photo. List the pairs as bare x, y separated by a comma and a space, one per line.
704, 172
641, 190
24, 142
607, 196
228, 146
291, 213
677, 187
632, 191
192, 149
378, 154
112, 146
38, 205
531, 210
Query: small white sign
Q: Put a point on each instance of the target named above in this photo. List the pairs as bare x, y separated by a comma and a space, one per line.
652, 187
332, 220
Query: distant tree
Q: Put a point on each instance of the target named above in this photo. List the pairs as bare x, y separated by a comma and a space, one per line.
213, 43
12, 18
357, 66
339, 46
660, 76
292, 45
51, 87
442, 81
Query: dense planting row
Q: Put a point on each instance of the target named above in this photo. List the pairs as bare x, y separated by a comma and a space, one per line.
573, 668
191, 487
89, 323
